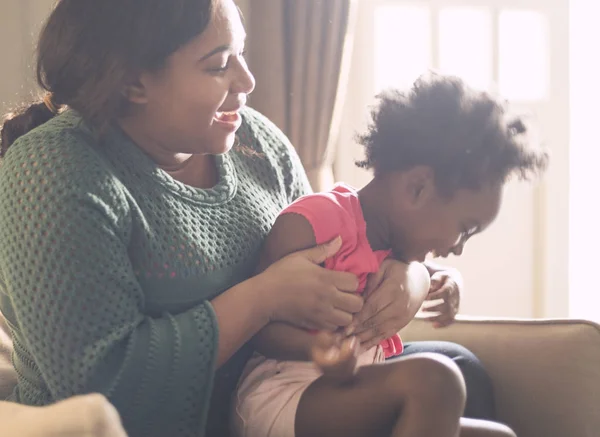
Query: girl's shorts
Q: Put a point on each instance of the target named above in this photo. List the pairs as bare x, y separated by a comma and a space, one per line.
269, 393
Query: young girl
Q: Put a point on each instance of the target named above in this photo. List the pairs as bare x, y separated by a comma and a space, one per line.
441, 155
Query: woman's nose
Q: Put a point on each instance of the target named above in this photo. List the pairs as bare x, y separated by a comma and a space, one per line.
244, 82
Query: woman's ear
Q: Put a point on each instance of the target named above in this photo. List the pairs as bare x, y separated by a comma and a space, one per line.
136, 90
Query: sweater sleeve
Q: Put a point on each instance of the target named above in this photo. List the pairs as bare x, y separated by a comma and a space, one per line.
75, 303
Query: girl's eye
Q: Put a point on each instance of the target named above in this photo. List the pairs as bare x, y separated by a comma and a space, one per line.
472, 231
466, 234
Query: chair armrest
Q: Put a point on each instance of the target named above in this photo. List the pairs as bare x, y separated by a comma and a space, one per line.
8, 376
90, 415
546, 373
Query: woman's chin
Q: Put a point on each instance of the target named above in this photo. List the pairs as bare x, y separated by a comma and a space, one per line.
223, 145
229, 143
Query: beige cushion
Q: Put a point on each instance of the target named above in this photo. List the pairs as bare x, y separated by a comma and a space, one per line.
546, 373
80, 416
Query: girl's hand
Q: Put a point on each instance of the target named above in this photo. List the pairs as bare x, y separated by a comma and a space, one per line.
300, 292
445, 286
335, 356
393, 296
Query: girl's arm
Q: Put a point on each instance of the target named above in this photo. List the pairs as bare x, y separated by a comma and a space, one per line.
282, 341
290, 233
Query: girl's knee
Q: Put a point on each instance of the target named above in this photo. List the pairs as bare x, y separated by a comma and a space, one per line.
480, 400
433, 377
440, 375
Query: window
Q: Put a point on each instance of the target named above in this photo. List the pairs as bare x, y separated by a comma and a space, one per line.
523, 55
402, 45
465, 45
483, 47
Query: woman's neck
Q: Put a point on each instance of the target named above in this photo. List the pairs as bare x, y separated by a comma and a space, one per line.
147, 140
199, 171
374, 212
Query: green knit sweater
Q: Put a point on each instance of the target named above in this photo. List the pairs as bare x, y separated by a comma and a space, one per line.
107, 267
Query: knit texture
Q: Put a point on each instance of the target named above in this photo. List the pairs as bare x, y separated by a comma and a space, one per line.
107, 266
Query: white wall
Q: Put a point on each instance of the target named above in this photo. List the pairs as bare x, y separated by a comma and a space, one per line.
20, 21
585, 156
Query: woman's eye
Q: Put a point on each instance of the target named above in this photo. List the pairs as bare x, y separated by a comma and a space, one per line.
225, 67
221, 69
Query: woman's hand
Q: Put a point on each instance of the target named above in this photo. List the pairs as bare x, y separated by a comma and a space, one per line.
445, 286
300, 292
393, 296
335, 356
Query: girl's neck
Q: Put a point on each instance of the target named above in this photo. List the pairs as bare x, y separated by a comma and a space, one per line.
374, 211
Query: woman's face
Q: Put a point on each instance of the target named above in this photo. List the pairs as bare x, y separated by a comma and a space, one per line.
192, 105
423, 222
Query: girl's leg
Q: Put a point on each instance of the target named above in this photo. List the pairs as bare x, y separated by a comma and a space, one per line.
480, 392
419, 396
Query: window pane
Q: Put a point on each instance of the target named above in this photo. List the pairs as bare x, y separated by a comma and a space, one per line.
402, 45
465, 45
523, 52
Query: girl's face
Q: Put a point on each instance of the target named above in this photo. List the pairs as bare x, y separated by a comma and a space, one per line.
422, 221
192, 105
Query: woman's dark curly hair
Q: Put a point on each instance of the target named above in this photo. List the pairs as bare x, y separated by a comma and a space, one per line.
464, 135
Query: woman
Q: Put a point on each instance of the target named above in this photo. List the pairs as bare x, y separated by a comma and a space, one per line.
130, 227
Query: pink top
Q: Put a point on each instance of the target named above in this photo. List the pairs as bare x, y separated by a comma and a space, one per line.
338, 213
